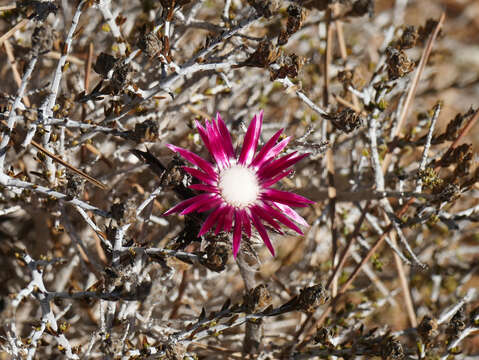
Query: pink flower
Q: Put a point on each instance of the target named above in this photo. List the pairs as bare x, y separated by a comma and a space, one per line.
238, 190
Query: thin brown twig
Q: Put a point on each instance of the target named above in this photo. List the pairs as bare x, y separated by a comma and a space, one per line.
13, 64
345, 102
465, 130
13, 30
88, 66
8, 7
407, 104
344, 52
414, 84
404, 285
343, 288
68, 166
351, 240
71, 58
353, 275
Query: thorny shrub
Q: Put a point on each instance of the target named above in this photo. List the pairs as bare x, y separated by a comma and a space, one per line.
381, 94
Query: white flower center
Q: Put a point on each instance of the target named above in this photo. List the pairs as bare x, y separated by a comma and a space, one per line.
239, 186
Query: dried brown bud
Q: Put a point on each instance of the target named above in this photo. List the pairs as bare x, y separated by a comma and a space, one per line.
427, 329
346, 77
75, 185
265, 54
392, 349
121, 76
426, 30
215, 256
296, 17
265, 8
361, 7
408, 38
145, 131
457, 323
42, 39
398, 64
258, 299
123, 212
323, 336
312, 297
41, 9
150, 43
347, 120
289, 67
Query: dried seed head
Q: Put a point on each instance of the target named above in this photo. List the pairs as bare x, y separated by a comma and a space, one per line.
150, 42
457, 323
121, 76
266, 54
41, 9
408, 38
362, 7
398, 64
296, 17
75, 185
347, 120
323, 336
289, 67
258, 299
145, 131
312, 297
425, 31
42, 39
215, 256
266, 8
427, 329
392, 350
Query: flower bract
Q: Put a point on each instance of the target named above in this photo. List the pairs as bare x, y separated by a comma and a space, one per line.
237, 188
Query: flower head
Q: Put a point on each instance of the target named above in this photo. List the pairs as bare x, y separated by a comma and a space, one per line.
237, 189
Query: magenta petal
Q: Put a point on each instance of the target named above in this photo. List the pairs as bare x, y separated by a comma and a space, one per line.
211, 137
204, 200
291, 213
286, 197
251, 139
237, 233
181, 206
225, 136
274, 168
275, 213
220, 220
210, 220
246, 222
272, 181
203, 135
262, 232
271, 153
200, 175
263, 214
228, 222
194, 159
209, 205
216, 145
203, 187
267, 147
